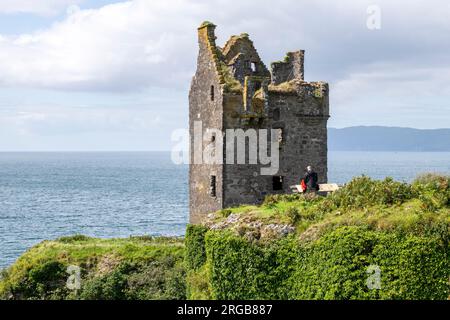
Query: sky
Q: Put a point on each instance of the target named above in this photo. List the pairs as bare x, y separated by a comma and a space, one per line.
115, 75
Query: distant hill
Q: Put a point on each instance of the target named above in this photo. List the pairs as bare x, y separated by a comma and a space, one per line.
377, 138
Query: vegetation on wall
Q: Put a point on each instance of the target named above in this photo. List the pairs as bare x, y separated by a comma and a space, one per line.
195, 244
341, 244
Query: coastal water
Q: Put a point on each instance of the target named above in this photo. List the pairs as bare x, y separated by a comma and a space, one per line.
118, 194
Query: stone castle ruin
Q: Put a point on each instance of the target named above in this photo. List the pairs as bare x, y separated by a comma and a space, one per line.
233, 89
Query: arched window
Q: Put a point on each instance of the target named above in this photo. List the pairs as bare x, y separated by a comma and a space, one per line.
212, 93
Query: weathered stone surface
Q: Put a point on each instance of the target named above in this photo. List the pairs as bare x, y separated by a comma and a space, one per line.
289, 69
248, 96
210, 112
249, 228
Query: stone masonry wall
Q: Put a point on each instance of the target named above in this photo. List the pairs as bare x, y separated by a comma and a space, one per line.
302, 115
210, 112
289, 69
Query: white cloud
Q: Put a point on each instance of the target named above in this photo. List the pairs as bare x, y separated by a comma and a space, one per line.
40, 7
394, 81
399, 94
143, 43
117, 47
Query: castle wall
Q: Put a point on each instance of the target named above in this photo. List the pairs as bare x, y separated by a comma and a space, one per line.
289, 69
301, 112
252, 98
303, 118
210, 112
243, 183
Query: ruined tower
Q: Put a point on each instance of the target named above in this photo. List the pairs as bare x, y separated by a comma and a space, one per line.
233, 89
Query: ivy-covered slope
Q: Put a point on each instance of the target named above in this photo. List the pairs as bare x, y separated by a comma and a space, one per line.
370, 240
133, 268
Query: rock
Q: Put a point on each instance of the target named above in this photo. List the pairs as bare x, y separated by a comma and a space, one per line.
248, 227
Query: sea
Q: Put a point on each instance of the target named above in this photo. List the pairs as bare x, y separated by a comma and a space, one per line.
46, 195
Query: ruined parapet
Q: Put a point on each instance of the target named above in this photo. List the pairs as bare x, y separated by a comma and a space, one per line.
243, 59
207, 29
289, 69
255, 95
207, 41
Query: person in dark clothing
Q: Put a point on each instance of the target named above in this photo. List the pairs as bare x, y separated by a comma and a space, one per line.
310, 180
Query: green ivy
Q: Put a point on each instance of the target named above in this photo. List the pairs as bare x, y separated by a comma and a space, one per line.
333, 267
195, 246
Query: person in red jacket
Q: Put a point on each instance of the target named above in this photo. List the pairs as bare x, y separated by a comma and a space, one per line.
309, 181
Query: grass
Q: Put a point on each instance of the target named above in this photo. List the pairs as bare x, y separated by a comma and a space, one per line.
74, 250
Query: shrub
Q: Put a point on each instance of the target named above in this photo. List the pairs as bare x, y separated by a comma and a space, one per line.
195, 246
272, 199
42, 281
75, 238
412, 267
107, 287
162, 280
198, 284
159, 279
238, 269
439, 181
433, 190
362, 192
293, 214
333, 267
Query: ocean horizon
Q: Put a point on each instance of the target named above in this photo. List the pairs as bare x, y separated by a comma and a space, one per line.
46, 195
